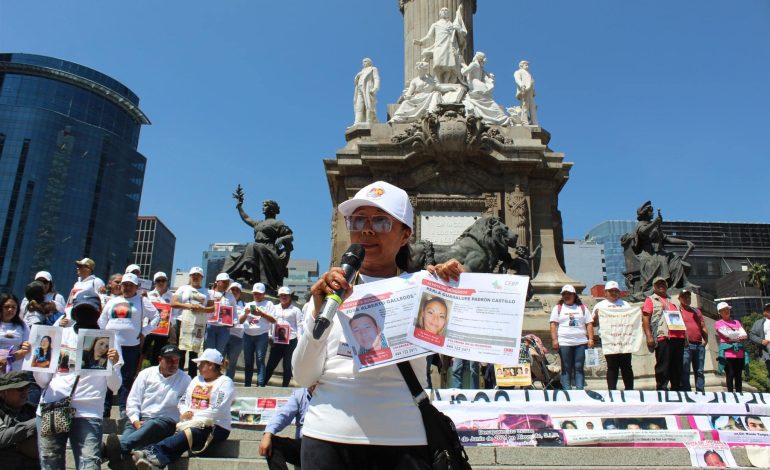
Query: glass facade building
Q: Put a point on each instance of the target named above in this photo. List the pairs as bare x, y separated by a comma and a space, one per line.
608, 234
214, 260
303, 273
70, 175
153, 247
584, 262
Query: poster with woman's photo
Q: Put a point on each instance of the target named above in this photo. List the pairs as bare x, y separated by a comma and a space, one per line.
91, 352
281, 333
164, 325
46, 346
225, 315
432, 319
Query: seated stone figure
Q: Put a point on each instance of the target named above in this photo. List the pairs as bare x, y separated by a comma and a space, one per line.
478, 102
421, 97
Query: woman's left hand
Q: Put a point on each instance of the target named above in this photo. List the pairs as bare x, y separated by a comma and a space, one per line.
113, 356
447, 271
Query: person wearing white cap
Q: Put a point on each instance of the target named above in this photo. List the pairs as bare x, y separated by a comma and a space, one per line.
694, 355
571, 331
363, 420
235, 343
191, 304
86, 280
205, 415
134, 269
257, 318
161, 294
50, 295
217, 333
616, 363
132, 316
732, 355
286, 315
667, 344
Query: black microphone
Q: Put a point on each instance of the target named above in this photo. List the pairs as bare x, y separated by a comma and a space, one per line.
351, 263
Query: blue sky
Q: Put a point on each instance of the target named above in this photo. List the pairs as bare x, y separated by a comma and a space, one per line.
656, 100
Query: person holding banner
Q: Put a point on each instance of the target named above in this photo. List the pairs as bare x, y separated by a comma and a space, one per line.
615, 362
191, 303
732, 355
153, 343
667, 343
217, 333
571, 331
287, 317
363, 420
235, 344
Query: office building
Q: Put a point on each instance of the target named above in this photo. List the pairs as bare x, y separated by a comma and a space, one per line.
70, 174
153, 246
303, 273
608, 235
214, 259
584, 262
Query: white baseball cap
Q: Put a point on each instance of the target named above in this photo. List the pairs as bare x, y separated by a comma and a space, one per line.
259, 288
722, 305
133, 267
159, 275
235, 285
196, 270
387, 197
568, 288
284, 290
210, 355
611, 285
223, 277
130, 277
45, 275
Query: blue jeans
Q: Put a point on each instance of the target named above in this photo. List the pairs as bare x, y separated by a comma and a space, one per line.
85, 438
151, 431
255, 345
217, 337
694, 354
458, 369
127, 373
171, 448
572, 360
234, 348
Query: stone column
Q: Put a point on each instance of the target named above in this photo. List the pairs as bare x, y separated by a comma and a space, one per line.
418, 16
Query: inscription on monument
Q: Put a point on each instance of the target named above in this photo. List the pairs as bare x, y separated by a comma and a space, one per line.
443, 227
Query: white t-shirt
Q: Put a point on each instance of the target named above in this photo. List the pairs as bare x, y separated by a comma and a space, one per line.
237, 329
572, 324
184, 295
127, 317
290, 315
370, 407
88, 399
256, 325
12, 335
91, 282
607, 303
157, 297
153, 395
210, 400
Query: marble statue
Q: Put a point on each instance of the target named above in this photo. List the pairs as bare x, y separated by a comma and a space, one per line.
367, 84
448, 43
421, 97
646, 257
525, 93
478, 102
266, 259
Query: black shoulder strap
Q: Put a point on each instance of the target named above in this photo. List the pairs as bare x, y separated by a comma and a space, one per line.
418, 393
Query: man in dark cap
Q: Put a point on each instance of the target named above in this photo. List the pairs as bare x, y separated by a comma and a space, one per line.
18, 438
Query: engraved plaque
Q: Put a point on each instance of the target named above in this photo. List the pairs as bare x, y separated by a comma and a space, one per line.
443, 227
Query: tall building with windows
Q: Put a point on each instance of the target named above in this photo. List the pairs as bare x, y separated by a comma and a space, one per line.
608, 234
584, 261
303, 273
70, 174
214, 259
153, 246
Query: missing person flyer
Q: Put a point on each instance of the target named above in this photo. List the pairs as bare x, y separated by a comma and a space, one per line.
375, 320
478, 318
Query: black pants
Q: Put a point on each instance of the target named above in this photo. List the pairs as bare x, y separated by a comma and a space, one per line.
669, 355
324, 455
284, 451
622, 363
152, 346
278, 353
734, 374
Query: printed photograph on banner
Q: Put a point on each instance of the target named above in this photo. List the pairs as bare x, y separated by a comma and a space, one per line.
674, 320
376, 318
45, 343
583, 424
727, 423
254, 411
651, 423
119, 316
201, 397
513, 376
213, 317
593, 357
281, 333
67, 359
225, 315
710, 454
164, 325
432, 319
507, 430
91, 353
484, 314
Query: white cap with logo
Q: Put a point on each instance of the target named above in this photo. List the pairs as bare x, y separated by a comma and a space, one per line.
387, 197
568, 288
259, 288
284, 291
133, 267
611, 285
210, 355
159, 275
722, 305
235, 285
196, 270
45, 275
130, 277
223, 277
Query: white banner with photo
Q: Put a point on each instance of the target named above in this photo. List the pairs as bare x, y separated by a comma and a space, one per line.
710, 454
255, 411
620, 329
45, 342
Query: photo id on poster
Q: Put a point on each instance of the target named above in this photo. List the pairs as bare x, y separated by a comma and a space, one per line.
91, 353
281, 333
164, 325
46, 347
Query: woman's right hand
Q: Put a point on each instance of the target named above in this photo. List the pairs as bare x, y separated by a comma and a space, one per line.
330, 281
555, 343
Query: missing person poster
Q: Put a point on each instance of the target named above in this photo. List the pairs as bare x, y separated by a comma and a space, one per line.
478, 317
281, 333
164, 325
91, 353
710, 454
513, 376
621, 329
46, 347
255, 411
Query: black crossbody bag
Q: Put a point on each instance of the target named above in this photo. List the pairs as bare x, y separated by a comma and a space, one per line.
447, 453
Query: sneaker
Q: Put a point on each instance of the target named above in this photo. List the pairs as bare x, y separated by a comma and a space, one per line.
112, 452
145, 460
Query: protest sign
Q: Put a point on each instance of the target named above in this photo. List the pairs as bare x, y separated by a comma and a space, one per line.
255, 411
164, 325
621, 329
91, 352
281, 333
225, 314
674, 320
710, 454
513, 376
592, 358
46, 348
